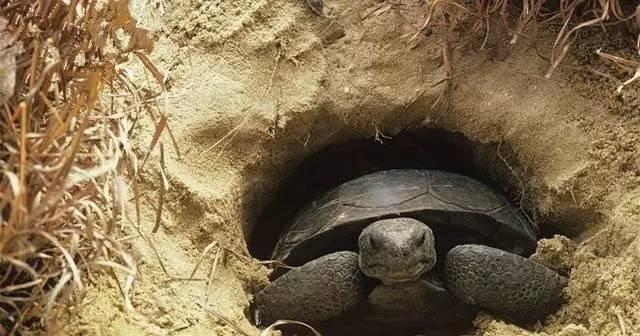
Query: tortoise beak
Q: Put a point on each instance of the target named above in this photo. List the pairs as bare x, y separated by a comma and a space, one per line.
407, 275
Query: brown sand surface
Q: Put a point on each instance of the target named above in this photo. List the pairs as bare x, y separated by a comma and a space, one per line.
253, 87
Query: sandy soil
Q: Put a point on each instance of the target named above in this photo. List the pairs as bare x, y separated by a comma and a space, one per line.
256, 86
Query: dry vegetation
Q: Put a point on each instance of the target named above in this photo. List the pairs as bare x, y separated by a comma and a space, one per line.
64, 154
464, 20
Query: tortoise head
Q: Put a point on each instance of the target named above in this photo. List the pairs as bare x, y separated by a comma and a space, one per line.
396, 250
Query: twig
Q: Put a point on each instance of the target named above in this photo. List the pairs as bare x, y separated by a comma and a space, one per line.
232, 324
623, 329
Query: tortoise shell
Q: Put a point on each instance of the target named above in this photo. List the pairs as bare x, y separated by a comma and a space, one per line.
459, 210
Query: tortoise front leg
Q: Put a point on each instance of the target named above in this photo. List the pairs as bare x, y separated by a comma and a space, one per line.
503, 282
314, 292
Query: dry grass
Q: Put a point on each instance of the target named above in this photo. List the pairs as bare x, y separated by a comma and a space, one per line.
465, 20
64, 154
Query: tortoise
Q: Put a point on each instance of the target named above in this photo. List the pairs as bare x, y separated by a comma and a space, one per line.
405, 245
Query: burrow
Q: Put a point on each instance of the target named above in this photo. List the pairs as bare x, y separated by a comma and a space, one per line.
302, 179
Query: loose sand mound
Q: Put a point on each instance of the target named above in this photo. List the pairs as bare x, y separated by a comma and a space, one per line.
254, 87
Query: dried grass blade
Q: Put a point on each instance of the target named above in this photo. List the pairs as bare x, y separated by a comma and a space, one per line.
202, 257
73, 149
115, 266
152, 68
156, 136
212, 272
21, 265
225, 319
622, 62
60, 285
635, 77
67, 256
163, 189
24, 285
22, 198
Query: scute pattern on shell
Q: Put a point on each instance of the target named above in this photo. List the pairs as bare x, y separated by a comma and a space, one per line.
450, 200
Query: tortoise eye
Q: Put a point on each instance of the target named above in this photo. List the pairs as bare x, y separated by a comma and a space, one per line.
373, 243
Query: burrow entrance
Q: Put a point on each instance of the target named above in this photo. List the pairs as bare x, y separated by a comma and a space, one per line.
428, 148
424, 148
